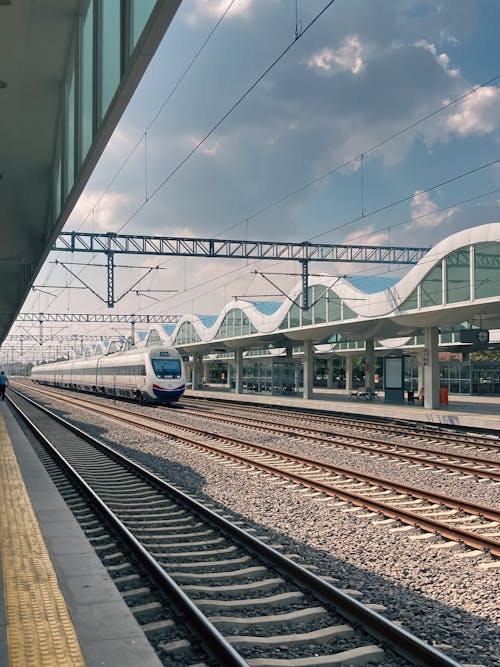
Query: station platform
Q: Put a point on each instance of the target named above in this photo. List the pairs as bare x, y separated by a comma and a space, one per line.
58, 606
462, 411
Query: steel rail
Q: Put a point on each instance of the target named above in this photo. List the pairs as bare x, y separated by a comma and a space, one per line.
401, 641
491, 442
213, 641
335, 438
431, 496
484, 474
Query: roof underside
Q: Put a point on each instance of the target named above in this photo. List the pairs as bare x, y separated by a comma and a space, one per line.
29, 105
35, 39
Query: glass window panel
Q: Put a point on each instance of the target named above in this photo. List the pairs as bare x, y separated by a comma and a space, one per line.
69, 119
348, 313
334, 310
284, 323
487, 270
307, 314
294, 316
458, 276
86, 81
320, 306
411, 302
140, 11
58, 185
431, 287
110, 51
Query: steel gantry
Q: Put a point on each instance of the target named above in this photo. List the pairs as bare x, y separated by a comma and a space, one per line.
126, 244
97, 317
132, 320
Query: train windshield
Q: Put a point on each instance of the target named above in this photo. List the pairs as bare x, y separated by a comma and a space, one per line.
166, 368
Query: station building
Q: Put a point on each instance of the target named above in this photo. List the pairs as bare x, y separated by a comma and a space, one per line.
448, 302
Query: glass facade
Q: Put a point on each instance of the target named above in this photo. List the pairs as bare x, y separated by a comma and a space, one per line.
140, 11
432, 288
272, 376
234, 324
186, 334
411, 302
458, 276
69, 175
86, 81
487, 270
98, 59
153, 338
110, 52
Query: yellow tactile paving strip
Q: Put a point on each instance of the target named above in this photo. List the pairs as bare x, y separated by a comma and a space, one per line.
39, 629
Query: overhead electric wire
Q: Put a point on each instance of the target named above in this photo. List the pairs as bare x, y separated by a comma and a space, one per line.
252, 86
352, 160
407, 198
372, 148
151, 123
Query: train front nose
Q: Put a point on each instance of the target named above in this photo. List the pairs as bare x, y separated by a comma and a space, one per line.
168, 394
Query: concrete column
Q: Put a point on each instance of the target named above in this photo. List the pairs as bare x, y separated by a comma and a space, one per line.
329, 373
196, 370
238, 360
348, 372
297, 377
205, 377
431, 368
228, 374
308, 369
421, 366
369, 364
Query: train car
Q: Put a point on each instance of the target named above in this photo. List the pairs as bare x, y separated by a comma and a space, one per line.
154, 374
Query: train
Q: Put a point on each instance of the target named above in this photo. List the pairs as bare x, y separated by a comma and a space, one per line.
150, 375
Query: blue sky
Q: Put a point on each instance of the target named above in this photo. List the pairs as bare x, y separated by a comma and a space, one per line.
364, 71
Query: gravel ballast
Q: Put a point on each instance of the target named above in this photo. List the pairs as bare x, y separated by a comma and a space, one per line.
440, 591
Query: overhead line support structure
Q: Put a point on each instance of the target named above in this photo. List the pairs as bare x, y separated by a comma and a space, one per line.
175, 246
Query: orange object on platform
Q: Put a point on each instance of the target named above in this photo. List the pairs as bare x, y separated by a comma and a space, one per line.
443, 396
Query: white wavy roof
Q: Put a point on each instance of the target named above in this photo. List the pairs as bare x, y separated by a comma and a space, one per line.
377, 315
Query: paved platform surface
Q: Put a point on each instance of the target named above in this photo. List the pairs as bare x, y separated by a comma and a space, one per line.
475, 412
58, 606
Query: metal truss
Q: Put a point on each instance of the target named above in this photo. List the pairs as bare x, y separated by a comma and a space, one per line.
59, 338
97, 317
234, 249
126, 244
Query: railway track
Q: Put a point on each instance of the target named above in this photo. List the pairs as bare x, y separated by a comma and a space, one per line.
455, 462
243, 601
416, 432
474, 525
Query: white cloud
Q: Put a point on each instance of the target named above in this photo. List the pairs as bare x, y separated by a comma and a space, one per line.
443, 59
347, 57
215, 8
426, 212
477, 113
105, 216
209, 147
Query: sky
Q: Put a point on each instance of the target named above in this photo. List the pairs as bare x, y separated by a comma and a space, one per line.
308, 154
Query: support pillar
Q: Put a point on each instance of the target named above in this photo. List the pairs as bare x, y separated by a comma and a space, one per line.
238, 360
369, 365
421, 369
431, 368
196, 370
348, 373
329, 373
308, 369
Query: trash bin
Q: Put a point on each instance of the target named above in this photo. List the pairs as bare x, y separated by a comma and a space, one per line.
443, 396
411, 396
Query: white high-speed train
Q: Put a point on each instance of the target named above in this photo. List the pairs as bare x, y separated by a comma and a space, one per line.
154, 374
